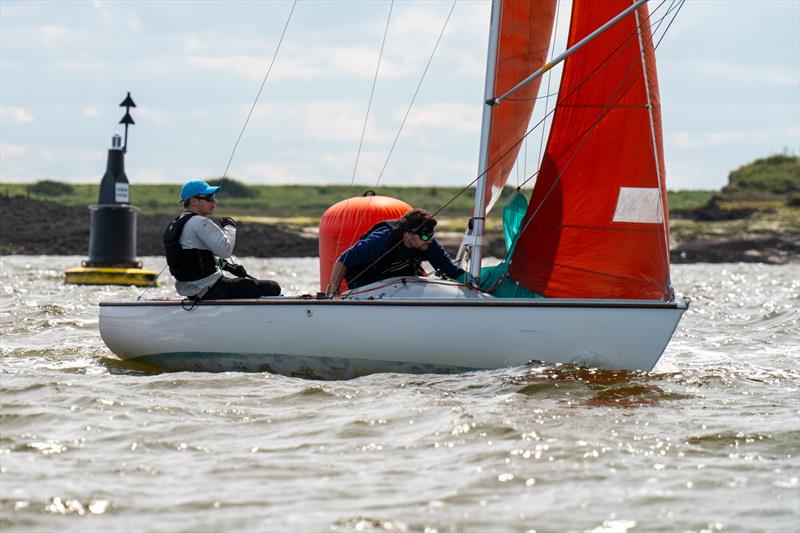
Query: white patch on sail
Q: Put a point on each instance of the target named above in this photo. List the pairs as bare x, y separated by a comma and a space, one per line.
637, 204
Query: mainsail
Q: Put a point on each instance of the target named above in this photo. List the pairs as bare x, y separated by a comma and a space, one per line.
597, 224
523, 40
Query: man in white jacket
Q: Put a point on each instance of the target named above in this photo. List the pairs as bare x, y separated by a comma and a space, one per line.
196, 249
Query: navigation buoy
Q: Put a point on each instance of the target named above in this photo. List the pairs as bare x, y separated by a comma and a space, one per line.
344, 222
112, 233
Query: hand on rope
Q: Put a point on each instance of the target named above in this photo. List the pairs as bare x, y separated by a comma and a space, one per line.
227, 221
236, 270
468, 279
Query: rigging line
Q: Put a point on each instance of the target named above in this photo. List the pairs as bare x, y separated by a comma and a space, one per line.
525, 144
614, 53
264, 81
372, 92
416, 92
682, 2
584, 136
547, 101
605, 62
364, 127
410, 105
661, 179
524, 99
657, 24
571, 90
155, 280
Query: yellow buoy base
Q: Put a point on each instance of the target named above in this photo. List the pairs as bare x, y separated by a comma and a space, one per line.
111, 276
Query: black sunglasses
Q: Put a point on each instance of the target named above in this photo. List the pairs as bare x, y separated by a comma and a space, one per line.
207, 197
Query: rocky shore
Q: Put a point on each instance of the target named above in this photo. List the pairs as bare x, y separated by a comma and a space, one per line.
34, 227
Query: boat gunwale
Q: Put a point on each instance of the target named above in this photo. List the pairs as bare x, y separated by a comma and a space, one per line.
682, 303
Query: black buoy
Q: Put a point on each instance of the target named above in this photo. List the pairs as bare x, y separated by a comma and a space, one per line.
112, 233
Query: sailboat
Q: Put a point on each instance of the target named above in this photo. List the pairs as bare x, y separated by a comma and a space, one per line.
586, 279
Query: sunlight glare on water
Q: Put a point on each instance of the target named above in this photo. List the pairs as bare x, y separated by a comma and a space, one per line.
709, 441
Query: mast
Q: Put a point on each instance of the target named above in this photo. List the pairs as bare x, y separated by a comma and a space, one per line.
479, 211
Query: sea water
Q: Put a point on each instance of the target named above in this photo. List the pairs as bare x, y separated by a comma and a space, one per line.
710, 440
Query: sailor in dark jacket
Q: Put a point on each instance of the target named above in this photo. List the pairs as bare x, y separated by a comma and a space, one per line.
393, 248
196, 248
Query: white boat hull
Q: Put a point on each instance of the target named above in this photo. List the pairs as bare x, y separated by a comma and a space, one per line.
341, 339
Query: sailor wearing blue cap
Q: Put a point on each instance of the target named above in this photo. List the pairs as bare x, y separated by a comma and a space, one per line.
196, 248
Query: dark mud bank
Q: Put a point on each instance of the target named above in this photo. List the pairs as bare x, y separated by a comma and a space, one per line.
34, 227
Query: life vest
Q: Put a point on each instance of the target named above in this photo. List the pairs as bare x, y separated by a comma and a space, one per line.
186, 264
391, 265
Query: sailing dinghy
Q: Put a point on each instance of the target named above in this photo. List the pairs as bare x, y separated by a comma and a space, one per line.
586, 280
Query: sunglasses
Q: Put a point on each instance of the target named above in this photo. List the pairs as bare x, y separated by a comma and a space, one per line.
425, 236
207, 197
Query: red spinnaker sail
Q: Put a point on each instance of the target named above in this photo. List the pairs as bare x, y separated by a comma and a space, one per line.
597, 224
526, 27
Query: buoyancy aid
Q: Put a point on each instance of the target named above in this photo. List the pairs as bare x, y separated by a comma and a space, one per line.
396, 262
186, 264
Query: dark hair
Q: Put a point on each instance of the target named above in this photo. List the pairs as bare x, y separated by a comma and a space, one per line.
417, 220
186, 202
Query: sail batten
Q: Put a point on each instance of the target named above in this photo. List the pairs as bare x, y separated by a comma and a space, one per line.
597, 223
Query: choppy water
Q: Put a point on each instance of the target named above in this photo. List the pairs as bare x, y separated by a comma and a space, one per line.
709, 441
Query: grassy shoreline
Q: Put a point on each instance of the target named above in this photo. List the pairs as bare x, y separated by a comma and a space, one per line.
304, 201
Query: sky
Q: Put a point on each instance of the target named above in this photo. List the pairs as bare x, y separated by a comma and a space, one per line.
729, 74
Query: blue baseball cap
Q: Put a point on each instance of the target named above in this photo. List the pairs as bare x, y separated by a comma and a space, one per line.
195, 187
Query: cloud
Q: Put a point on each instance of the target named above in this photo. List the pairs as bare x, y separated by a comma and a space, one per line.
454, 117
52, 35
193, 44
90, 112
134, 22
86, 64
761, 74
156, 116
86, 155
102, 10
272, 173
246, 66
18, 114
294, 64
12, 150
339, 121
685, 139
149, 175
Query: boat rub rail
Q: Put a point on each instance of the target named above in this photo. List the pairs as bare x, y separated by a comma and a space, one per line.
396, 302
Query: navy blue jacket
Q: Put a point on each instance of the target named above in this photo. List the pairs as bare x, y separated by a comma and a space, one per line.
366, 263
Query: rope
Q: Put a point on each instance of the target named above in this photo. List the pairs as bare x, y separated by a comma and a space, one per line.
366, 119
372, 92
247, 120
402, 124
549, 80
411, 104
600, 67
151, 285
607, 109
606, 61
263, 82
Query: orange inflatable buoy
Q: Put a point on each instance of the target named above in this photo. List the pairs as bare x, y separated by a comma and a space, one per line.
344, 222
